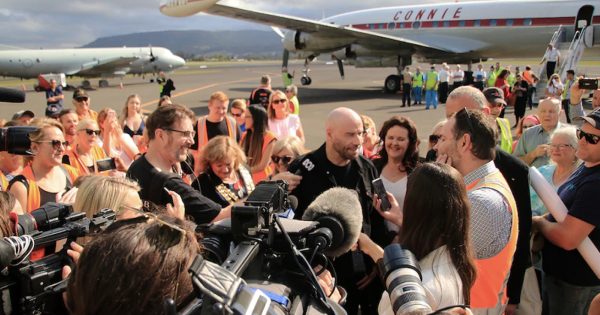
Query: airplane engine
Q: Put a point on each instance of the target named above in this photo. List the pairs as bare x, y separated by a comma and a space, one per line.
183, 8
298, 40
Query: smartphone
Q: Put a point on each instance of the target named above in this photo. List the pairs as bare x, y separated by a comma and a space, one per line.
382, 194
106, 164
588, 84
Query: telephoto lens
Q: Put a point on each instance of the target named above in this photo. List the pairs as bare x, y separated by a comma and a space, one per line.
402, 276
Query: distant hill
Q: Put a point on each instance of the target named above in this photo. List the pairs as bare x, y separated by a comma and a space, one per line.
201, 43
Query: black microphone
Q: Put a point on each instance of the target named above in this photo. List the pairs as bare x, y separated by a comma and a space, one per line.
15, 249
339, 214
11, 95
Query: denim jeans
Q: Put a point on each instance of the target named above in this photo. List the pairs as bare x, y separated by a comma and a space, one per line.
564, 298
417, 93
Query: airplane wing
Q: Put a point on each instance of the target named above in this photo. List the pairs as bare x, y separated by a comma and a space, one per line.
363, 37
107, 65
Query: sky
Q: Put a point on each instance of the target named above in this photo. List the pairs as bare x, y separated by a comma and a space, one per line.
73, 23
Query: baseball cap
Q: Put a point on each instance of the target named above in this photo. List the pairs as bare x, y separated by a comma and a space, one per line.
80, 93
494, 95
22, 113
592, 118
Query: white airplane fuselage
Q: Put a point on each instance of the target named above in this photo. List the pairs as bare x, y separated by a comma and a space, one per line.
87, 62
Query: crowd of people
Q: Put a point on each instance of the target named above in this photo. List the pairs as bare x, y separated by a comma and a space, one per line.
464, 208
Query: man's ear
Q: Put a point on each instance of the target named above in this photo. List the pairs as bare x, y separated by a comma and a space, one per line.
464, 143
487, 110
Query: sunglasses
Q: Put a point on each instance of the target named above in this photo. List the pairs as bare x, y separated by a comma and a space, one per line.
278, 101
434, 138
237, 115
81, 99
284, 159
91, 132
589, 138
56, 144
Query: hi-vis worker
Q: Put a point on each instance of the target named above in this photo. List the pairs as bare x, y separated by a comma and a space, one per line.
431, 86
216, 123
417, 83
496, 103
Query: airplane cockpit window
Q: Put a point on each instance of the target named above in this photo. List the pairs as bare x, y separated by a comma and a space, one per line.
493, 22
509, 22
527, 22
416, 25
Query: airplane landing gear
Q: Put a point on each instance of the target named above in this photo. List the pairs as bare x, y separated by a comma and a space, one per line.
306, 80
103, 83
392, 84
86, 84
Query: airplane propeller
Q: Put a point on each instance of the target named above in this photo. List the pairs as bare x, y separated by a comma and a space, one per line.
340, 64
152, 57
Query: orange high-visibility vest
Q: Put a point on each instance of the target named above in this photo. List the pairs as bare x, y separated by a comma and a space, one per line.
489, 289
74, 160
3, 182
203, 138
33, 191
261, 175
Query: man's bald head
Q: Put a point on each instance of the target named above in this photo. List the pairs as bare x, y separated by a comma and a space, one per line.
465, 96
342, 116
344, 135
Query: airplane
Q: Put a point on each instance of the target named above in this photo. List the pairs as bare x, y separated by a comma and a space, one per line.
457, 32
88, 62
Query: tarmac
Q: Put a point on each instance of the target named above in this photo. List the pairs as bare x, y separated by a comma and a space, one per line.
361, 90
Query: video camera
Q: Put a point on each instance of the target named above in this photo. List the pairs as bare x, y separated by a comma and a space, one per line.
35, 286
15, 140
273, 256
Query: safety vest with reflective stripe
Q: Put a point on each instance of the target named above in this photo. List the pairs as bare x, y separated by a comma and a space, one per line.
505, 134
432, 78
261, 175
33, 191
3, 182
418, 80
489, 290
203, 134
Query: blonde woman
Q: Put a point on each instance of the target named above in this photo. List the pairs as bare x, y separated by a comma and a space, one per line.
113, 140
84, 155
132, 120
555, 87
281, 122
285, 151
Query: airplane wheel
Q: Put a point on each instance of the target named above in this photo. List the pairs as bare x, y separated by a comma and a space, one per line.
86, 84
103, 83
151, 80
392, 84
305, 80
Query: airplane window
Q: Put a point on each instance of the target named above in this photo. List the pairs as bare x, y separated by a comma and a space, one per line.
416, 25
527, 22
434, 24
372, 26
382, 26
401, 25
462, 23
477, 23
493, 22
446, 23
509, 22
391, 26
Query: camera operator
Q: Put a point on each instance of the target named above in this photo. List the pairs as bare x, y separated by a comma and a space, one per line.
338, 163
170, 134
436, 231
576, 104
162, 247
45, 179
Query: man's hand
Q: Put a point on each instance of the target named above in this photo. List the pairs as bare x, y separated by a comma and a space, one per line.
177, 209
540, 150
293, 180
576, 93
511, 309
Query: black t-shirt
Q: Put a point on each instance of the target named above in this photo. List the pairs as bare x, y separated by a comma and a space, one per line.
260, 96
152, 182
345, 176
215, 129
579, 194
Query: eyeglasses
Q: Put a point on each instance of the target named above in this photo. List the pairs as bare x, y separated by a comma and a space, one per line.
56, 144
237, 114
495, 104
559, 146
81, 99
589, 138
187, 134
284, 159
277, 101
434, 138
91, 132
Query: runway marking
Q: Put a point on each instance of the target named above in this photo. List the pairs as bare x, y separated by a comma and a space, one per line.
204, 87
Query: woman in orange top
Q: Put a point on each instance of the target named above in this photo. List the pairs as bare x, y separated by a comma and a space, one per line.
87, 151
258, 143
45, 178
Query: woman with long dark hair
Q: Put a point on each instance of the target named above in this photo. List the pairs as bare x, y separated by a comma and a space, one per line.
436, 230
398, 158
257, 143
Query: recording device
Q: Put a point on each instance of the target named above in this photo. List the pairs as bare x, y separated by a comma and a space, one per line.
107, 164
381, 194
15, 139
14, 250
403, 278
11, 95
588, 84
278, 254
35, 286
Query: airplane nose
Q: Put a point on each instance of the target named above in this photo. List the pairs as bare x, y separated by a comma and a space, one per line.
177, 62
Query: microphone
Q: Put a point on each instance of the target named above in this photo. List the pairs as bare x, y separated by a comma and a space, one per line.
339, 214
15, 249
12, 96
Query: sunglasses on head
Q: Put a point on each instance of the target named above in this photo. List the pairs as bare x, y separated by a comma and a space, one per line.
92, 132
56, 144
278, 101
81, 99
589, 138
283, 159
